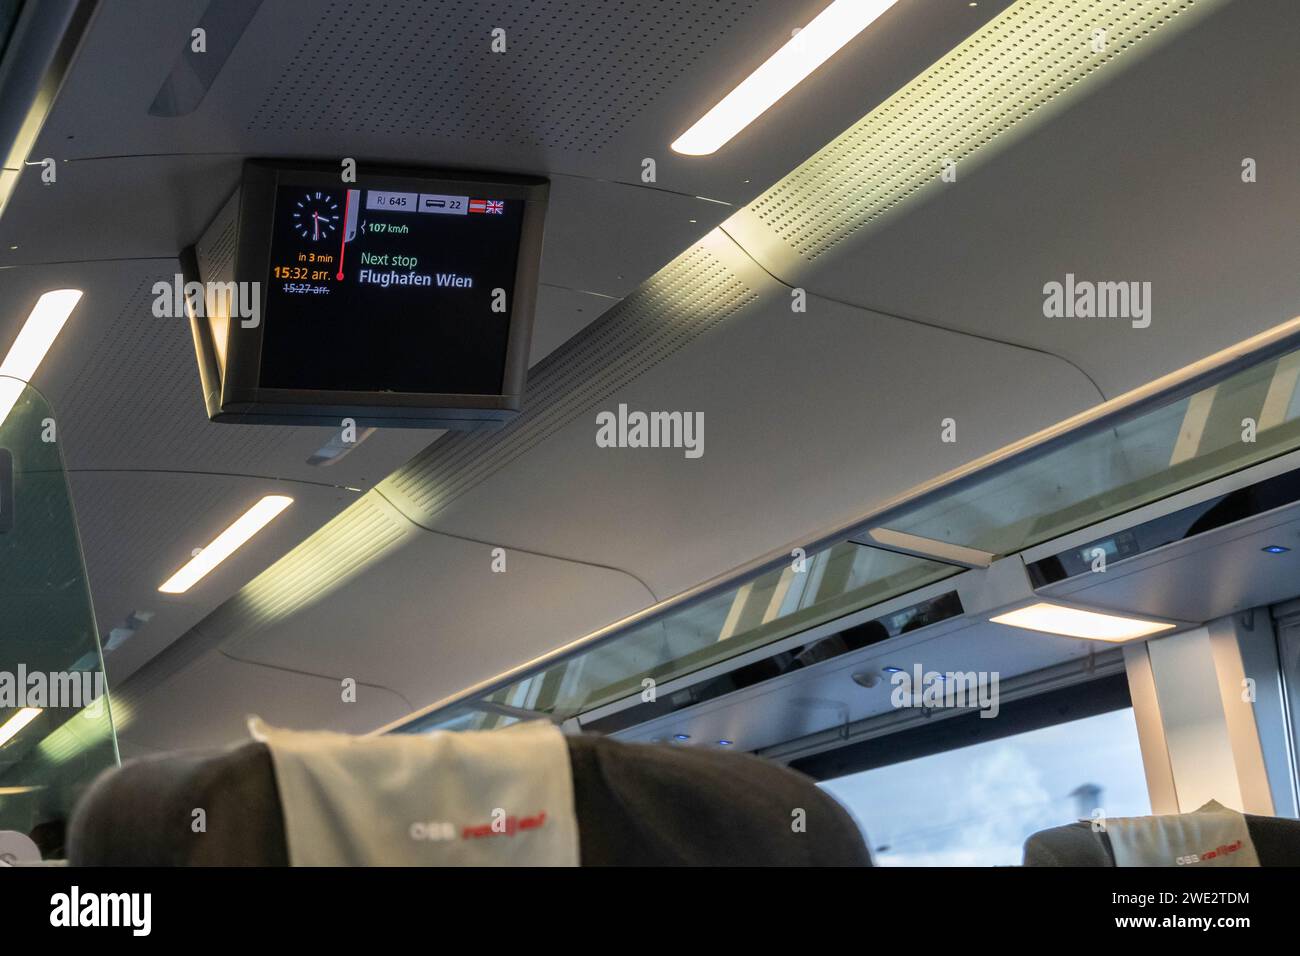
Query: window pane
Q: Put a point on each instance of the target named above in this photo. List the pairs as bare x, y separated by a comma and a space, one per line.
977, 805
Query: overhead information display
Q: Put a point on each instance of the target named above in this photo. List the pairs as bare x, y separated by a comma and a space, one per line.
394, 297
389, 290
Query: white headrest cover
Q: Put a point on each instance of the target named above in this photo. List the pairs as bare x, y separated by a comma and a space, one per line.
480, 798
1212, 836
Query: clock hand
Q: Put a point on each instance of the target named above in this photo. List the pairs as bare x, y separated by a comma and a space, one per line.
343, 242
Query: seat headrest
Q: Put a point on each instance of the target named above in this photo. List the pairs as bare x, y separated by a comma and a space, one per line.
477, 798
636, 804
1211, 836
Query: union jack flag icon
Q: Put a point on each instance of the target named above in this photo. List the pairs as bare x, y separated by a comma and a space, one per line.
490, 206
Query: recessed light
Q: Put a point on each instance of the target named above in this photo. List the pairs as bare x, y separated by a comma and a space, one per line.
38, 333
785, 69
10, 728
892, 670
682, 736
724, 743
225, 544
1075, 622
1275, 549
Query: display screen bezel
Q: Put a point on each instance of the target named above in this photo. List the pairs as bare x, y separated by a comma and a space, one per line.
242, 396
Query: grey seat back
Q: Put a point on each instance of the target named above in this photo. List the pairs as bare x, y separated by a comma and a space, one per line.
636, 804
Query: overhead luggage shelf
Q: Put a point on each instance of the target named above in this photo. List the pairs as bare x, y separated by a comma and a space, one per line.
1226, 413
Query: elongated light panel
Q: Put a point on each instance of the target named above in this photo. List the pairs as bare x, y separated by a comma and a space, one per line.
11, 727
38, 333
225, 544
1075, 622
783, 71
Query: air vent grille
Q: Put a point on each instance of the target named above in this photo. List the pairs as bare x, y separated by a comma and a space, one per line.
140, 377
573, 75
1019, 62
215, 251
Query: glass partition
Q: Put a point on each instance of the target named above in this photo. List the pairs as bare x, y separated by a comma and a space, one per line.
824, 586
56, 729
1245, 419
8, 14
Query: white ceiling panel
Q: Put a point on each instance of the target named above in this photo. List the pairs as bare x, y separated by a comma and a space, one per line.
207, 703
138, 528
1139, 180
809, 418
432, 616
562, 314
122, 208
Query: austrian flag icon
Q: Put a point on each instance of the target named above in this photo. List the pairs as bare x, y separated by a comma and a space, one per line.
491, 206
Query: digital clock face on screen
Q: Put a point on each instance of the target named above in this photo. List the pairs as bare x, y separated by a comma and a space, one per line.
316, 216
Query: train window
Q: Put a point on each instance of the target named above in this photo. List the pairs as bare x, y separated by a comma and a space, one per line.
976, 805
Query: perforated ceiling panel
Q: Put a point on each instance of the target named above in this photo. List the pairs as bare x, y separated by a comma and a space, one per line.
140, 379
1018, 63
691, 295
572, 76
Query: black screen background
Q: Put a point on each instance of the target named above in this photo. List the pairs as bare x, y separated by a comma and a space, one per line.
399, 339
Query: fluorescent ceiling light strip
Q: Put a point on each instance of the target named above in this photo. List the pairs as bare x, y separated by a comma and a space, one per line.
1075, 622
225, 544
11, 727
783, 71
38, 333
